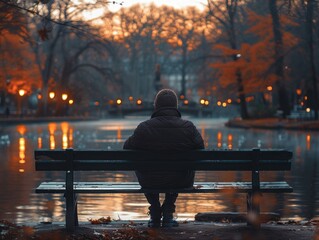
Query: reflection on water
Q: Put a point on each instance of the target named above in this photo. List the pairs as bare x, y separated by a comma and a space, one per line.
308, 139
19, 203
21, 153
219, 139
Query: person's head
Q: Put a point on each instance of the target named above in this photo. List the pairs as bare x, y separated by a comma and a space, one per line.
165, 98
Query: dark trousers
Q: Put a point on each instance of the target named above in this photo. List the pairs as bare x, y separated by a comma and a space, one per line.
167, 208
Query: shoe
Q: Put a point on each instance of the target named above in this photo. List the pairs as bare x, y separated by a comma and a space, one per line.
154, 223
155, 216
169, 222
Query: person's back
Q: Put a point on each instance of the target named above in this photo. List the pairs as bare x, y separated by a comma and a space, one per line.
165, 131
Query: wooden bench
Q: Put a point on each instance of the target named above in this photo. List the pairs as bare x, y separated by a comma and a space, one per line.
253, 160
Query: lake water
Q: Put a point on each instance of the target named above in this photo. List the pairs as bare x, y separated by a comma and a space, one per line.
19, 203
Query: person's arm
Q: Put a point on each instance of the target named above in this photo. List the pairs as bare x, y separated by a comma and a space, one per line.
135, 140
128, 143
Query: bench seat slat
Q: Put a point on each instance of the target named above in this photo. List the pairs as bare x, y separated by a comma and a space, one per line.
134, 187
125, 165
240, 154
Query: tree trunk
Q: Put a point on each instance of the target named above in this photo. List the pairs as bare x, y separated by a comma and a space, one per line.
310, 42
242, 96
240, 85
279, 59
184, 56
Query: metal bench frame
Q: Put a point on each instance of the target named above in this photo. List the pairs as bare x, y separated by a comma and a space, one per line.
253, 160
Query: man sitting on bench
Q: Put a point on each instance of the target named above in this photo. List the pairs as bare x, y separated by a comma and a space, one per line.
165, 131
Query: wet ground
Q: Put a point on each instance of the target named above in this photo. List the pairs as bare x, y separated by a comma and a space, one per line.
186, 230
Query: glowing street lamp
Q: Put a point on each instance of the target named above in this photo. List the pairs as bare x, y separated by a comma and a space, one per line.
118, 101
206, 102
22, 92
139, 102
298, 91
202, 101
64, 96
51, 95
186, 102
219, 103
269, 88
71, 101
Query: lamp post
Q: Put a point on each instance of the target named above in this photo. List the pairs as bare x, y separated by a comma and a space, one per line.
52, 103
298, 92
21, 92
64, 96
64, 106
6, 98
269, 89
202, 103
51, 95
119, 103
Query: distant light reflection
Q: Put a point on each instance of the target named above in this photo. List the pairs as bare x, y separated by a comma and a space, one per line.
65, 128
298, 155
204, 136
219, 139
308, 141
71, 137
21, 153
52, 142
21, 129
230, 141
52, 129
39, 142
119, 133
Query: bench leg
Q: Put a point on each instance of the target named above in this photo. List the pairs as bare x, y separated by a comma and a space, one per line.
253, 209
71, 216
76, 219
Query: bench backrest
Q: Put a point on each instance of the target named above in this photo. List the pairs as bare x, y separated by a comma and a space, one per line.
130, 160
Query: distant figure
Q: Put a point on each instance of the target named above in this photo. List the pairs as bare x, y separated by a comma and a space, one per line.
165, 131
7, 112
158, 84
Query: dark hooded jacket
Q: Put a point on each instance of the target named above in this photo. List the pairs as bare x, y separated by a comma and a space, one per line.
165, 131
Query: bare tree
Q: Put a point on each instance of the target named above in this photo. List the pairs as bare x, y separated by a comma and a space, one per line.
140, 32
61, 25
185, 28
223, 12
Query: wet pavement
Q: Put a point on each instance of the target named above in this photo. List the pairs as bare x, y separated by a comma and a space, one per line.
188, 230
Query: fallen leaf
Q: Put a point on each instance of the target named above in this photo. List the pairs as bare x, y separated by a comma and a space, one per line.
101, 220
